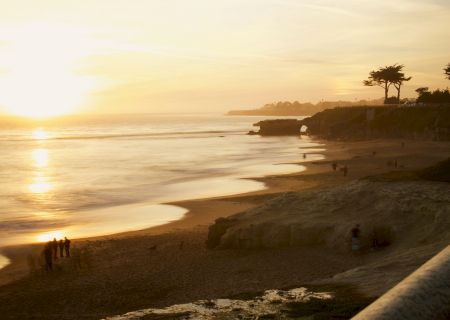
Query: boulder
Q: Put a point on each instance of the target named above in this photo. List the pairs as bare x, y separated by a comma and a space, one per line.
278, 127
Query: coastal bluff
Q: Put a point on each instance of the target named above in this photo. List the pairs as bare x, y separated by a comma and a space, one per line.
384, 122
366, 122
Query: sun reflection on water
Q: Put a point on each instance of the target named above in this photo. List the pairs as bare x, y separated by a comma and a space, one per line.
39, 134
40, 157
40, 183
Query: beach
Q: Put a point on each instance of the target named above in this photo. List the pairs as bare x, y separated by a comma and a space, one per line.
224, 160
170, 264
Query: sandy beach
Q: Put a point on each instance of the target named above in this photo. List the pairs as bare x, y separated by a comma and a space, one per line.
170, 264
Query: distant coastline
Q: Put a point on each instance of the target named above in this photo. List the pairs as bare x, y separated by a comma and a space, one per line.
287, 108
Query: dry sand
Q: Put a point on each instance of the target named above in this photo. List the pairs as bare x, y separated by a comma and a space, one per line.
170, 264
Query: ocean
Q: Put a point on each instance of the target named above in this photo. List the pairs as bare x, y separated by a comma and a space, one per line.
87, 176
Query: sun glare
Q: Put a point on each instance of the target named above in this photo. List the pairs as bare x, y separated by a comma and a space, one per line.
48, 236
39, 134
41, 79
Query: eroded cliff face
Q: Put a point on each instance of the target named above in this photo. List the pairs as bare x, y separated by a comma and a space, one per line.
381, 122
278, 127
393, 213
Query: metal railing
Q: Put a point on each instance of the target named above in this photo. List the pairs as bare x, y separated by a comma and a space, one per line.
425, 294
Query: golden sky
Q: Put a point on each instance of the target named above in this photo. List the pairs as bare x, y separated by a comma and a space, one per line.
59, 56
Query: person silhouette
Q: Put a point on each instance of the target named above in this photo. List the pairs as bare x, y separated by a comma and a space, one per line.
61, 248
67, 246
31, 263
48, 256
356, 243
55, 248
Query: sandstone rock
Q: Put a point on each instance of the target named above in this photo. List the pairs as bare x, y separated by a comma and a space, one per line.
278, 127
410, 213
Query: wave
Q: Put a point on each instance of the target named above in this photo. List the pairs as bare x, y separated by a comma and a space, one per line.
179, 134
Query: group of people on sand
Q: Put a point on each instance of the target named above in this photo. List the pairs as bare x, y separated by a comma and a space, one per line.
344, 168
378, 238
51, 249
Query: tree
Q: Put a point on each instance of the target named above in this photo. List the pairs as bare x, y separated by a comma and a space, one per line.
397, 77
387, 76
435, 97
379, 78
422, 90
447, 71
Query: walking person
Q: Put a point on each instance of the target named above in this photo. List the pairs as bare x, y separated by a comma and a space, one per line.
345, 170
48, 256
356, 242
31, 263
67, 246
61, 248
55, 248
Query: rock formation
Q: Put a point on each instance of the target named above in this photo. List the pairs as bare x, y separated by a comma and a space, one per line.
278, 127
392, 212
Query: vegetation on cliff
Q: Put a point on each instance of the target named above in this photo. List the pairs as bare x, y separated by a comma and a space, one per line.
433, 97
386, 77
447, 71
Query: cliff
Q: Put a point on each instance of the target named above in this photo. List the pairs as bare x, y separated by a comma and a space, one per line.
382, 122
278, 127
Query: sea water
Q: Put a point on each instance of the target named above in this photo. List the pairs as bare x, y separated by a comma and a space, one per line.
87, 176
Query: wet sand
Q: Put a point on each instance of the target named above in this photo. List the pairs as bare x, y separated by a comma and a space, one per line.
170, 264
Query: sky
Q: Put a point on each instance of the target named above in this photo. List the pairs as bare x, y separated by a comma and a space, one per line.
120, 56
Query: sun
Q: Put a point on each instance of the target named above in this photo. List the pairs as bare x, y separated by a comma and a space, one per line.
40, 77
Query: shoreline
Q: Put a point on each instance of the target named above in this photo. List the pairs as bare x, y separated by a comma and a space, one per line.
158, 208
204, 211
195, 215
